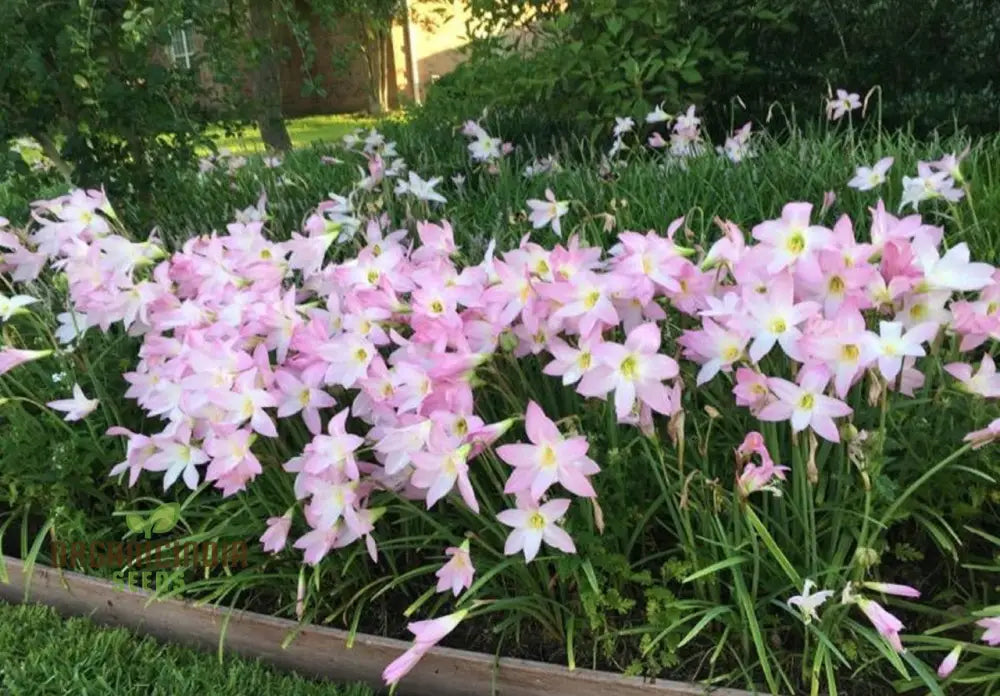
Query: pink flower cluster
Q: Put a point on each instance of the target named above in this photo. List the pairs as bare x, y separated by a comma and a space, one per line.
835, 309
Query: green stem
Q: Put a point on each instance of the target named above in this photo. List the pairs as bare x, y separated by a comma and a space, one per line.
922, 480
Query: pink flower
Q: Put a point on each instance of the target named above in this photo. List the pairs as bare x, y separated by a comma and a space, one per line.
276, 536
302, 393
985, 382
426, 634
458, 571
805, 405
992, 634
884, 622
440, 468
761, 477
949, 663
12, 357
715, 347
634, 371
547, 212
751, 389
791, 239
77, 408
572, 363
776, 318
534, 524
550, 459
981, 438
892, 589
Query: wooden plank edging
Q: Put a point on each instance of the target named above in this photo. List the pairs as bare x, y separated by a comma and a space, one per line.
322, 652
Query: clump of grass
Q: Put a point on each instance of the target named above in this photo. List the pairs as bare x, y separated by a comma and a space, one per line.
41, 654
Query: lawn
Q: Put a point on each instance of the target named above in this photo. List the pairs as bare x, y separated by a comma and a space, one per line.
43, 654
303, 131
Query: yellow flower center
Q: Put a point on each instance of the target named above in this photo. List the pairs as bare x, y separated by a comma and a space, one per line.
806, 402
796, 243
437, 306
730, 353
584, 361
628, 367
373, 276
918, 311
377, 250
850, 352
591, 299
536, 521
836, 285
992, 307
778, 326
548, 457
541, 268
461, 426
361, 355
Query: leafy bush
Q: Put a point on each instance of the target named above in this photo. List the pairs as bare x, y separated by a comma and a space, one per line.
934, 63
578, 69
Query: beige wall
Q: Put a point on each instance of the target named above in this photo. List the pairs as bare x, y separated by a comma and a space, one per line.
437, 43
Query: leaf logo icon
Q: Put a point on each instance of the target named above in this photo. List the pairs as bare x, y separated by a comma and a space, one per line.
161, 520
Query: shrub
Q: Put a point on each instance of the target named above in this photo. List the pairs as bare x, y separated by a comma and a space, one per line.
579, 69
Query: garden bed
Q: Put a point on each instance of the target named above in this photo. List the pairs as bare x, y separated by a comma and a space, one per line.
317, 650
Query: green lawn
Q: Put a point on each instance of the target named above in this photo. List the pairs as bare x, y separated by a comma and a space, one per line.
302, 131
42, 654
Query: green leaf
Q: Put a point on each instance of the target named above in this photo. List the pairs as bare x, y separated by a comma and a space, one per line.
81, 81
715, 567
135, 522
690, 75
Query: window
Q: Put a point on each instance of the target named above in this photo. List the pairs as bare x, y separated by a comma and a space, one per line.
182, 45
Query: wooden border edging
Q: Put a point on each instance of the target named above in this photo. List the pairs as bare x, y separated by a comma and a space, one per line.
320, 651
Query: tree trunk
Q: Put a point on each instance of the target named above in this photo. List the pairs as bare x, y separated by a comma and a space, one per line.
267, 78
381, 70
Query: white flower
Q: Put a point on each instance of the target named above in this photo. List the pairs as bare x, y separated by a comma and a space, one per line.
867, 178
657, 115
77, 408
808, 602
9, 306
623, 125
547, 211
420, 188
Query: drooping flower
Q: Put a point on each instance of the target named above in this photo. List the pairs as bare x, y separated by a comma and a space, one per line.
12, 357
981, 438
884, 622
426, 634
985, 382
534, 524
949, 663
808, 602
892, 589
992, 633
276, 535
458, 572
547, 212
77, 408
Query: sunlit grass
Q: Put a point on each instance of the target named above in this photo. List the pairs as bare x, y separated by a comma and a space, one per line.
303, 131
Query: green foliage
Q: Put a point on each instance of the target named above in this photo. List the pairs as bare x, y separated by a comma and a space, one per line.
93, 84
932, 62
579, 69
42, 654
